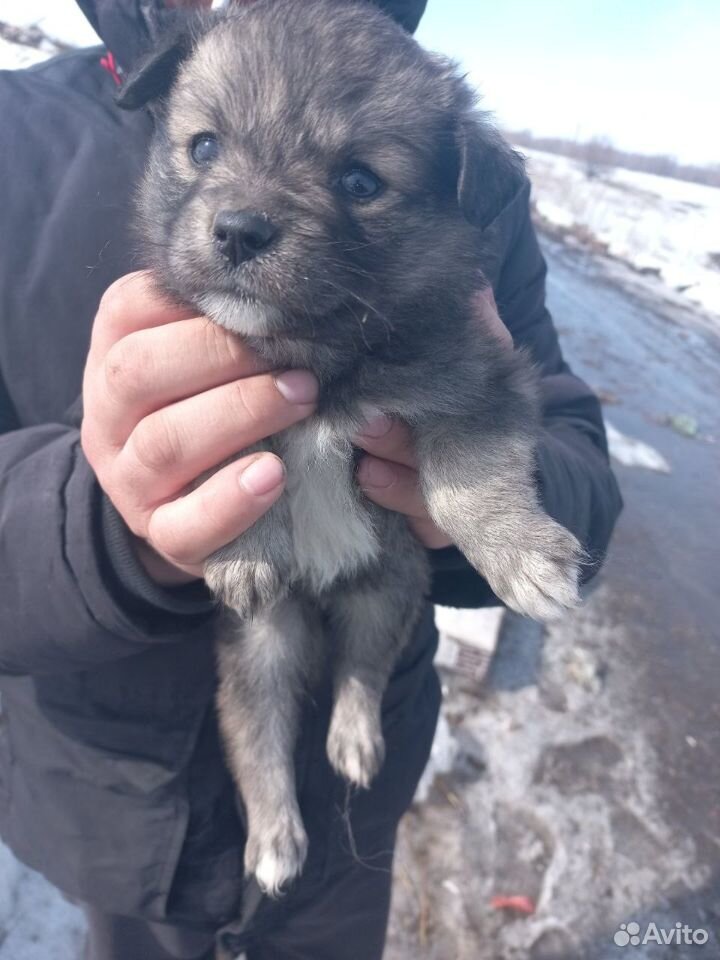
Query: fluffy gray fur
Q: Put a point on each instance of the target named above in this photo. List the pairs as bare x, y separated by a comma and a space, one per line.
375, 298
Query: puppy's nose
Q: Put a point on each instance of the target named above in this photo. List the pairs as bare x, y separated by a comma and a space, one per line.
242, 234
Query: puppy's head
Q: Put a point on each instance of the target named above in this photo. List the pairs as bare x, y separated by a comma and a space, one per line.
313, 170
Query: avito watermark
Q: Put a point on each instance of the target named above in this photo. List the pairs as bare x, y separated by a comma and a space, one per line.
631, 935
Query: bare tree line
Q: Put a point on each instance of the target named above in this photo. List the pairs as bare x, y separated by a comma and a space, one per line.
600, 153
32, 36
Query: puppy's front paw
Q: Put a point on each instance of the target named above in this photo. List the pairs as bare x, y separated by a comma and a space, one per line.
536, 572
276, 854
355, 745
245, 586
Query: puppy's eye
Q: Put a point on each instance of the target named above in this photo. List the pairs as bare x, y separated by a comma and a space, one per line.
360, 184
204, 148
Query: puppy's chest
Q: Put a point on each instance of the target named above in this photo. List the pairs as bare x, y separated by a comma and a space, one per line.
332, 529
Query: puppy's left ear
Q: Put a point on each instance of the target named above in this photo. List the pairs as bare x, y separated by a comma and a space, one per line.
490, 171
153, 77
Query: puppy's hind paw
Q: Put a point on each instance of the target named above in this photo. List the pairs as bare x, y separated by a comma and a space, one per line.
355, 746
243, 585
538, 577
276, 855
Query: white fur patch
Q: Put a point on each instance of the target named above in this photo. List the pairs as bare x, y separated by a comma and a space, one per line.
272, 872
245, 317
332, 532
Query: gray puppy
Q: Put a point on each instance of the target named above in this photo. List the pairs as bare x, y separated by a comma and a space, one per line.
319, 185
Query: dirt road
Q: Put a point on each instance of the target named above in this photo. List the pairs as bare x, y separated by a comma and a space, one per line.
587, 779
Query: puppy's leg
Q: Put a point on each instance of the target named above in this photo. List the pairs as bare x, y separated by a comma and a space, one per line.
372, 619
264, 667
255, 569
477, 478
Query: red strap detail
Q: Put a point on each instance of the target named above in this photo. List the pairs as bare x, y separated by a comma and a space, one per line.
109, 63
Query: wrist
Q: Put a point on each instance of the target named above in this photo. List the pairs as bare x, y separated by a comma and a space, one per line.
161, 571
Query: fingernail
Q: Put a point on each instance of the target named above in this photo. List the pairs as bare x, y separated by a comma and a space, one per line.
298, 386
262, 475
376, 427
376, 473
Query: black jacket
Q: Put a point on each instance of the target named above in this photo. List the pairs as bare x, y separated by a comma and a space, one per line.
111, 778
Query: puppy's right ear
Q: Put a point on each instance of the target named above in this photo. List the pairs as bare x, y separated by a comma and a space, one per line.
153, 77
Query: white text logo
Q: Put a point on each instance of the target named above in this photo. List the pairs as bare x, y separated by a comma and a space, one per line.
631, 935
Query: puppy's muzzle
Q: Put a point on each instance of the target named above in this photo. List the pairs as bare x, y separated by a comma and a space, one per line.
241, 235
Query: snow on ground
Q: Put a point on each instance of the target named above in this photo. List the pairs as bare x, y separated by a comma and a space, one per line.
15, 56
36, 923
657, 225
60, 19
631, 452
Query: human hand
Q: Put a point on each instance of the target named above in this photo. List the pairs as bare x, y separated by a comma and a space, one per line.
388, 476
168, 396
388, 473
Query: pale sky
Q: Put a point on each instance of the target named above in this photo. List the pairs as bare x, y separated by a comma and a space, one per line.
646, 73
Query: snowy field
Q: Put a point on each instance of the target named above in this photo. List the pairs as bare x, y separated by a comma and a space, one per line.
36, 923
661, 227
60, 19
13, 56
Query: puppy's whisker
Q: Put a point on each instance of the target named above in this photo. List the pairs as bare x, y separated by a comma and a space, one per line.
355, 296
361, 321
350, 246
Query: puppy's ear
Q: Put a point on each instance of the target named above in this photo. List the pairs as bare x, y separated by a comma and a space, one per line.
490, 171
153, 77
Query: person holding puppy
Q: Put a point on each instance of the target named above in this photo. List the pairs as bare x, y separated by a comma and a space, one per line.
108, 676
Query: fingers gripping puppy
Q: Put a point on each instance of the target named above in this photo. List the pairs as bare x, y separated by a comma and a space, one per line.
319, 184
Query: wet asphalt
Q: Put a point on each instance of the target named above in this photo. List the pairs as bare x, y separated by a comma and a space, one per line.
594, 786
664, 564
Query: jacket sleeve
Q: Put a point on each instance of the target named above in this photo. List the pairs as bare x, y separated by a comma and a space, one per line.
62, 605
576, 484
